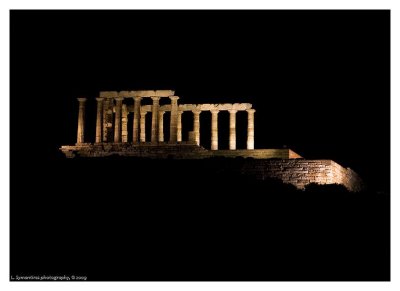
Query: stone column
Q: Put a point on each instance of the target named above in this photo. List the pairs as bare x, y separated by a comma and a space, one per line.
154, 118
161, 126
174, 119
232, 129
143, 126
99, 118
250, 129
81, 121
136, 118
196, 125
214, 129
179, 127
124, 123
117, 123
107, 119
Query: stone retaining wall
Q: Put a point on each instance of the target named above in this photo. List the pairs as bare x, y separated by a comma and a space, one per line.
300, 172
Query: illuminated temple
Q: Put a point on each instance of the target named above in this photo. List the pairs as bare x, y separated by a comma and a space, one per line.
112, 138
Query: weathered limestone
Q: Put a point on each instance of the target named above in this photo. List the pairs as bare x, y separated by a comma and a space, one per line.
179, 127
143, 126
154, 118
196, 125
112, 139
112, 119
143, 93
81, 121
219, 106
250, 129
124, 123
173, 127
107, 120
99, 117
137, 93
136, 118
232, 129
117, 123
214, 129
161, 126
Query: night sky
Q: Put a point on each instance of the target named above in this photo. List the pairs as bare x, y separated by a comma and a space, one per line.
320, 84
319, 80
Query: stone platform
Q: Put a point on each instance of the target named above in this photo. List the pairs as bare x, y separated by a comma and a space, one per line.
184, 150
282, 164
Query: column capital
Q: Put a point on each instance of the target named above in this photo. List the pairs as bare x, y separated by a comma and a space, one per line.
119, 98
251, 110
155, 98
81, 99
99, 99
161, 112
180, 112
214, 111
233, 111
137, 98
143, 113
173, 98
196, 111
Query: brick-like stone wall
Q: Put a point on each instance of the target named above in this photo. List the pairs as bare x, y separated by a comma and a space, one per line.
283, 164
300, 172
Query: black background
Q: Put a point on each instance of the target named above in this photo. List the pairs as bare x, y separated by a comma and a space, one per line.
319, 81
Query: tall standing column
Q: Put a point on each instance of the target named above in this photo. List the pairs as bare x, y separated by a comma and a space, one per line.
117, 123
250, 129
107, 119
99, 118
154, 118
81, 121
196, 125
179, 127
143, 126
124, 123
174, 119
232, 129
214, 129
161, 126
136, 118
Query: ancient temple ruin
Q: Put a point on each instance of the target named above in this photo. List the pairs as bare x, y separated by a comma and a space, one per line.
112, 130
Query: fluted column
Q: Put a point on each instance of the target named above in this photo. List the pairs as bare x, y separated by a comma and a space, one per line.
136, 118
173, 125
232, 129
117, 122
107, 119
179, 127
196, 125
161, 126
250, 129
81, 121
214, 129
124, 123
143, 126
99, 118
154, 118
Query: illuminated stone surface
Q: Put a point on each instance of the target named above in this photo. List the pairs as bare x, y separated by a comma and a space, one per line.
136, 118
232, 129
111, 139
99, 117
161, 126
81, 121
174, 119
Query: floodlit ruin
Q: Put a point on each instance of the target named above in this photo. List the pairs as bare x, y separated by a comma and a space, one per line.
112, 138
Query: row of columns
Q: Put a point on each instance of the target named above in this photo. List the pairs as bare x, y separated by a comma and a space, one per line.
157, 128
